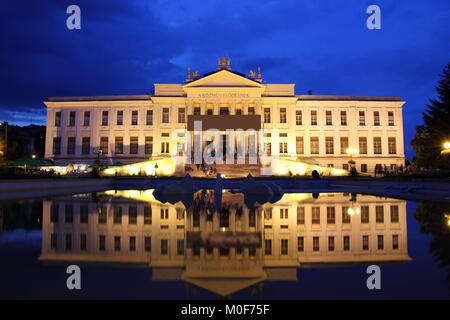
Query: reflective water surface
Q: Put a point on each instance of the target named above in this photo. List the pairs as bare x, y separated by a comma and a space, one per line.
294, 246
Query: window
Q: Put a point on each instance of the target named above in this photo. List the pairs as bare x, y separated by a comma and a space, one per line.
210, 111
345, 215
58, 119
164, 213
314, 118
251, 218
68, 216
331, 215
104, 145
266, 115
164, 147
197, 111
391, 118
328, 118
118, 145
132, 215
316, 244
379, 211
117, 218
300, 215
315, 215
380, 242
223, 111
268, 148
102, 243
238, 111
365, 217
117, 243
72, 118
329, 145
345, 166
53, 241
105, 115
330, 243
284, 212
164, 247
71, 145
299, 145
283, 118
343, 118
85, 145
377, 145
134, 118
148, 145
284, 247
84, 213
314, 145
102, 215
344, 145
392, 145
148, 244
165, 115
147, 214
268, 247
395, 242
180, 247
298, 118
57, 145
362, 118
363, 167
251, 111
365, 243
119, 118
149, 118
300, 244
181, 115
376, 118
346, 243
134, 145
362, 145
283, 147
86, 118
394, 214
68, 241
132, 243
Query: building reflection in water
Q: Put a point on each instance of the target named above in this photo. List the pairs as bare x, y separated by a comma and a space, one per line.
225, 249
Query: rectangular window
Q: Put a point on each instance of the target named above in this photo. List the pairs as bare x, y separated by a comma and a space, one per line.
379, 214
165, 115
345, 166
223, 111
365, 243
119, 118
376, 118
314, 145
117, 218
71, 145
268, 148
164, 213
328, 118
362, 118
300, 215
86, 119
283, 147
83, 242
329, 145
380, 242
251, 111
68, 214
315, 215
58, 119
283, 118
362, 145
134, 145
391, 118
394, 214
238, 112
72, 118
377, 145
299, 145
148, 145
57, 145
104, 143
363, 167
331, 243
149, 118
148, 244
68, 241
314, 118
147, 214
331, 215
132, 243
117, 243
102, 243
344, 145
102, 215
266, 115
132, 215
181, 115
300, 244
392, 145
284, 213
180, 247
268, 247
343, 118
84, 213
85, 145
316, 244
395, 242
105, 116
134, 118
365, 214
346, 243
197, 111
118, 145
164, 147
284, 247
345, 215
298, 118
164, 247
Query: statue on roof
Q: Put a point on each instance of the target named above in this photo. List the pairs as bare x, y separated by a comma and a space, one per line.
259, 77
224, 63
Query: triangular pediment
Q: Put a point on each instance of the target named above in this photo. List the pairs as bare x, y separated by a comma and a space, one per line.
224, 78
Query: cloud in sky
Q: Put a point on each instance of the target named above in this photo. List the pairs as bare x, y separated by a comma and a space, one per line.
125, 46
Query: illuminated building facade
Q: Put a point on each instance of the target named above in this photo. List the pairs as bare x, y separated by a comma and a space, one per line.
323, 130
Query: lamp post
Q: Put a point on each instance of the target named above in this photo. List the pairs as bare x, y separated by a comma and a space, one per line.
351, 152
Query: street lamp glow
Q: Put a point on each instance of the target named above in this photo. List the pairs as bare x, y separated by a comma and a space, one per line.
352, 151
33, 156
447, 145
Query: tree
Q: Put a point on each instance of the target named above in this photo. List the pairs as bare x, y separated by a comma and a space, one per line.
436, 128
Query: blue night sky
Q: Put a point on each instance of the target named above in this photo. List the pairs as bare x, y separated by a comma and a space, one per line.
125, 46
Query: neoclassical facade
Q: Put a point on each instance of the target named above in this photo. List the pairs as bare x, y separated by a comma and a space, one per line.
322, 130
